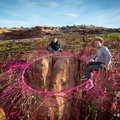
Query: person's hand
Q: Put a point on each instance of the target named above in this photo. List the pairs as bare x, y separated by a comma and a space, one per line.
61, 49
104, 66
91, 60
87, 62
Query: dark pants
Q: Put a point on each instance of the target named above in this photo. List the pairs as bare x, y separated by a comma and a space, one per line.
92, 66
56, 49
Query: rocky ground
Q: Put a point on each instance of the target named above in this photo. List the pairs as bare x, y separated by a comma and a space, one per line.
40, 31
100, 103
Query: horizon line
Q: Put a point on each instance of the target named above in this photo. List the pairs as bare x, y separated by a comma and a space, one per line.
56, 26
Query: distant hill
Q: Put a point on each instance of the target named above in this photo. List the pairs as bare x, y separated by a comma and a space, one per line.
39, 31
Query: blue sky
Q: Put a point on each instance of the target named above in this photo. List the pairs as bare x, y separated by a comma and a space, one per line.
28, 13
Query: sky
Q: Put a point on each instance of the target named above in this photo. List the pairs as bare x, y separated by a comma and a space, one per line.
30, 13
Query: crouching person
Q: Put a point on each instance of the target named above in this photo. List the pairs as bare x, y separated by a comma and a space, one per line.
102, 58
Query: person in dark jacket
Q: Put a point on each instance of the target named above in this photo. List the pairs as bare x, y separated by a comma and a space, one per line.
54, 46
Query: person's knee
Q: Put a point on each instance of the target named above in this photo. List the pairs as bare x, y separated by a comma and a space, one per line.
93, 67
89, 68
52, 50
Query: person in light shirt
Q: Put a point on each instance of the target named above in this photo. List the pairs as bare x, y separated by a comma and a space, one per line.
101, 59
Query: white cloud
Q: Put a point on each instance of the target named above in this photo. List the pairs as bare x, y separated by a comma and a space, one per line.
108, 15
72, 14
108, 18
37, 4
52, 4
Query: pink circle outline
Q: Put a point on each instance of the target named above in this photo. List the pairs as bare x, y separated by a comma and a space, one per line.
60, 92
